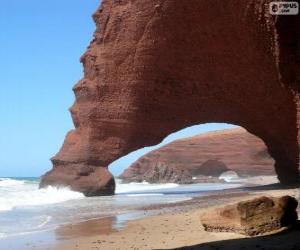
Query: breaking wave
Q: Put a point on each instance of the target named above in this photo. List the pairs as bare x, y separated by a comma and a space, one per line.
8, 182
229, 176
20, 193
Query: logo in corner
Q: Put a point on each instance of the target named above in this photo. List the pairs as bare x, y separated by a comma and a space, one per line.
284, 8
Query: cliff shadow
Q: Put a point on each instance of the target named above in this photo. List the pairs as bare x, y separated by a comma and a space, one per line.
274, 186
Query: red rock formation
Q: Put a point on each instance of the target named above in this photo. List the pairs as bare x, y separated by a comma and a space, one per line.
157, 66
253, 217
162, 173
208, 154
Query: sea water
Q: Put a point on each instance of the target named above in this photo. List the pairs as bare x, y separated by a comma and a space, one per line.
24, 208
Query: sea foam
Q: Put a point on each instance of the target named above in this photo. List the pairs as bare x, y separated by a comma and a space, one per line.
7, 182
137, 187
18, 193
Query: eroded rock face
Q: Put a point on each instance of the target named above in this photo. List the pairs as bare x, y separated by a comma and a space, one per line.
157, 66
208, 154
162, 173
91, 181
253, 217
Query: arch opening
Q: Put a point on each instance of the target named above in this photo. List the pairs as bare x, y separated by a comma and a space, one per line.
207, 153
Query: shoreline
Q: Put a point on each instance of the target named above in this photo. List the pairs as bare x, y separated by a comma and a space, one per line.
156, 226
45, 238
49, 238
172, 230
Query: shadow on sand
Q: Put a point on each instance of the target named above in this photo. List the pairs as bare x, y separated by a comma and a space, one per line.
286, 240
275, 186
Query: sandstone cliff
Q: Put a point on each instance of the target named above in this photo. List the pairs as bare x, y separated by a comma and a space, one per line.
157, 66
208, 154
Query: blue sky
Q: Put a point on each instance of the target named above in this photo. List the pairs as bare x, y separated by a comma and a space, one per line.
40, 46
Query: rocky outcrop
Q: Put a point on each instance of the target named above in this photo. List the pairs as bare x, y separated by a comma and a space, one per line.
88, 180
210, 167
208, 154
156, 66
253, 217
161, 173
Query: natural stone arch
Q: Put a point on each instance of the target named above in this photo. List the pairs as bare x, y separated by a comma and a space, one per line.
212, 167
155, 67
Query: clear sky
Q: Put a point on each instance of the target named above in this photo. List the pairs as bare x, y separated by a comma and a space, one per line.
40, 46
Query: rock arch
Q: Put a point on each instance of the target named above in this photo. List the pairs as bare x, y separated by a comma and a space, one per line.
157, 66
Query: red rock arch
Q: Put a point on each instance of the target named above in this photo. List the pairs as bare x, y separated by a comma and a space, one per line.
155, 67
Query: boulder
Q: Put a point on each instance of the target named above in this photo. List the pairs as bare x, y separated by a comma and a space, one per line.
252, 217
88, 180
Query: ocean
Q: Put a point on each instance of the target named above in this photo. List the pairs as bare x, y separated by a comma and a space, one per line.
26, 209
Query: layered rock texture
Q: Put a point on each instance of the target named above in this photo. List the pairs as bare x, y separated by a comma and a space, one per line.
209, 154
253, 217
157, 66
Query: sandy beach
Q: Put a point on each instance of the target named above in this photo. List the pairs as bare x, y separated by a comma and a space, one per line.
162, 226
177, 229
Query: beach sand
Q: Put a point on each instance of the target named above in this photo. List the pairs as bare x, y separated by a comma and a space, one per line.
179, 228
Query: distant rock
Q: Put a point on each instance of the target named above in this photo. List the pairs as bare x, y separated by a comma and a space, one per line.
210, 168
204, 157
162, 173
253, 217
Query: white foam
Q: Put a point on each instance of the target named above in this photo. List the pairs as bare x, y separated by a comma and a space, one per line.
46, 220
143, 186
152, 194
180, 200
229, 176
4, 207
7, 182
14, 195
